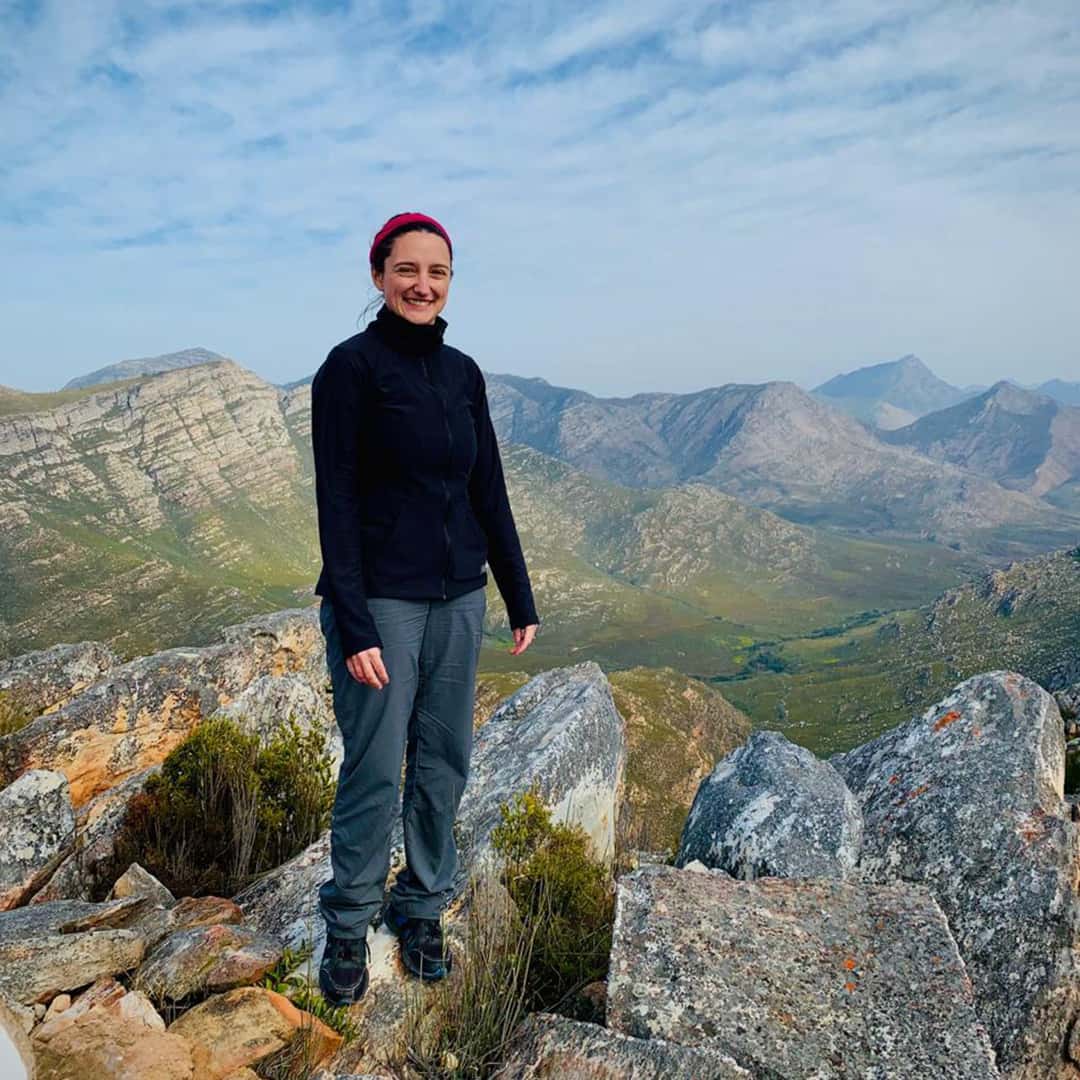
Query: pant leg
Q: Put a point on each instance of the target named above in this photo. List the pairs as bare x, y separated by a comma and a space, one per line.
439, 749
374, 724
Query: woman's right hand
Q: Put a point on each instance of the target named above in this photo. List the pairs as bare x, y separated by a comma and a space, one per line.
367, 667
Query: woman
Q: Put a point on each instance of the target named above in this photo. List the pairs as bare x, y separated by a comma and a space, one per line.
411, 501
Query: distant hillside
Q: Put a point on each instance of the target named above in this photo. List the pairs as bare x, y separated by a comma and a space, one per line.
1068, 393
779, 448
833, 690
153, 512
889, 395
1023, 440
147, 365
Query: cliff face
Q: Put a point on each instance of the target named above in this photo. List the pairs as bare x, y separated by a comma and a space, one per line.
185, 489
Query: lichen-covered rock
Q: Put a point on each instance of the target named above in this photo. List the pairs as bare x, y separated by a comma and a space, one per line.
139, 711
135, 881
550, 1047
773, 809
207, 958
155, 921
264, 707
41, 681
795, 977
38, 829
83, 874
243, 1026
46, 949
968, 799
1068, 702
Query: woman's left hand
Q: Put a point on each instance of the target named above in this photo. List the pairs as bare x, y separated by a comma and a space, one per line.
523, 638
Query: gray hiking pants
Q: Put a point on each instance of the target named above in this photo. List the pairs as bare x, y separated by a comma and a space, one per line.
430, 651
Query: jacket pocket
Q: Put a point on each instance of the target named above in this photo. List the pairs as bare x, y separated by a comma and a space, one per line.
470, 546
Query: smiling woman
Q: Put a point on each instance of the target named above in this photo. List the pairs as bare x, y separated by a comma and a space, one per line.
411, 501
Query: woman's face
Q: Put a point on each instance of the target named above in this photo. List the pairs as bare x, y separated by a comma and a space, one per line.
416, 279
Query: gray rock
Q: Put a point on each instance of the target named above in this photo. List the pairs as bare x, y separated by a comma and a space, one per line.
968, 799
207, 958
46, 949
795, 978
132, 717
552, 1047
264, 706
1068, 702
773, 809
39, 829
135, 881
43, 680
83, 874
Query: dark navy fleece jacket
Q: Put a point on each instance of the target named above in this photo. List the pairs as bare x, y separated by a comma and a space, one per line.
408, 478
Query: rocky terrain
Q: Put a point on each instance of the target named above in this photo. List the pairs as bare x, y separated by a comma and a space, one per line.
145, 365
906, 909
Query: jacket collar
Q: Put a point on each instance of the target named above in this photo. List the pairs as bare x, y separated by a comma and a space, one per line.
407, 337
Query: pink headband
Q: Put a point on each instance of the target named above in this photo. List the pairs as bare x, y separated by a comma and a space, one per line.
407, 219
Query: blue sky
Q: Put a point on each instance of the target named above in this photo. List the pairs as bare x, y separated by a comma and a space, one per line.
650, 196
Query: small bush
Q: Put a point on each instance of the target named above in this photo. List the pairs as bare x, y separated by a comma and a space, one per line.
227, 807
460, 1028
15, 713
557, 884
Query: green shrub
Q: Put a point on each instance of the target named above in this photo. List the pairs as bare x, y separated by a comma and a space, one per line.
460, 1028
15, 713
226, 807
557, 884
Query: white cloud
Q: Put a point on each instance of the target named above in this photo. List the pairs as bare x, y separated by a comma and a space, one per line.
772, 189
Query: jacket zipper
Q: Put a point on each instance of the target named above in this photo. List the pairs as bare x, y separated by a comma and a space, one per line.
446, 489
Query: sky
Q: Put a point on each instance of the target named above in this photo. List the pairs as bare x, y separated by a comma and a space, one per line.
649, 196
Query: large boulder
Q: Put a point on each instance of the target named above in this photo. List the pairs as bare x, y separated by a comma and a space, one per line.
41, 681
133, 716
49, 948
207, 959
550, 1047
16, 1054
271, 700
242, 1027
85, 872
773, 809
795, 978
968, 799
38, 830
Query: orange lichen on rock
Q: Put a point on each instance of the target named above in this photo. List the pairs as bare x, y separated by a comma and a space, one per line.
947, 719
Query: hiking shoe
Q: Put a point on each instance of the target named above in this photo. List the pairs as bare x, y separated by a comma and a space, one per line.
423, 951
343, 973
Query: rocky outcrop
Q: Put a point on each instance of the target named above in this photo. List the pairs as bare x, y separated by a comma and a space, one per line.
84, 873
795, 978
242, 1027
41, 681
106, 996
49, 948
773, 809
207, 959
39, 829
550, 1047
968, 799
134, 716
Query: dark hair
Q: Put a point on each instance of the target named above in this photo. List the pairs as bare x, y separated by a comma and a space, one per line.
382, 253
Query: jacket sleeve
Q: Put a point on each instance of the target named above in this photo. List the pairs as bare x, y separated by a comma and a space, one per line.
490, 503
336, 399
